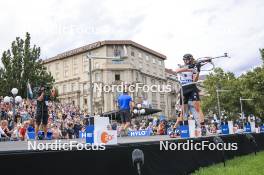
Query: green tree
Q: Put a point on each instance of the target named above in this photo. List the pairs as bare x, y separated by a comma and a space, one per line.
253, 87
252, 84
248, 85
22, 63
229, 100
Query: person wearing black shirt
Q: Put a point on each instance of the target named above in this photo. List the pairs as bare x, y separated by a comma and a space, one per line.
42, 111
77, 127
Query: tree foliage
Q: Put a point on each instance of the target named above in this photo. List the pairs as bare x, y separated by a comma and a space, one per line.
228, 99
248, 86
22, 64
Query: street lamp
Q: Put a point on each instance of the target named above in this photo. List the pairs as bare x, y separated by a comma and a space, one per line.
14, 100
14, 91
7, 99
241, 104
139, 110
18, 99
90, 57
218, 100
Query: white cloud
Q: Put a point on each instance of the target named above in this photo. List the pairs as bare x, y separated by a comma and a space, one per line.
207, 28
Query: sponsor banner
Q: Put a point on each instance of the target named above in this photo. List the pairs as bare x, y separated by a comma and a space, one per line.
262, 128
89, 134
225, 129
82, 134
247, 127
139, 133
101, 123
184, 129
31, 135
230, 127
107, 137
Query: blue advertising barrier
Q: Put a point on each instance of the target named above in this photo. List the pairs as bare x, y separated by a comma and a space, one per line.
82, 134
89, 133
247, 127
139, 133
49, 135
225, 128
31, 135
262, 128
184, 130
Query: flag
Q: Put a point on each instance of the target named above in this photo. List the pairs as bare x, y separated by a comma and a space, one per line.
29, 91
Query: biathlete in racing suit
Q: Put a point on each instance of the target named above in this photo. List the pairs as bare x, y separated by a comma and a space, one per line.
188, 75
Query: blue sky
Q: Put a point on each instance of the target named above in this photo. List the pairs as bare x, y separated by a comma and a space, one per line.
172, 27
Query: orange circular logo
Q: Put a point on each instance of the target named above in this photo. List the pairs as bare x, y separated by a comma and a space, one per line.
105, 137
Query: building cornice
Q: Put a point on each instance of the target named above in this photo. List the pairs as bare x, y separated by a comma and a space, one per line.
99, 44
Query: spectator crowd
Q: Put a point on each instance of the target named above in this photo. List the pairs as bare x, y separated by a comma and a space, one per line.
66, 121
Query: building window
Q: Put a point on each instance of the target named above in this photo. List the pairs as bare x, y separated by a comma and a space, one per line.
117, 51
117, 77
137, 76
65, 64
132, 53
117, 62
73, 87
85, 68
98, 94
96, 65
65, 88
57, 75
97, 77
159, 62
144, 78
154, 96
84, 86
153, 83
85, 101
147, 58
75, 71
153, 61
162, 97
85, 59
145, 95
75, 60
66, 73
139, 55
57, 66
80, 87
